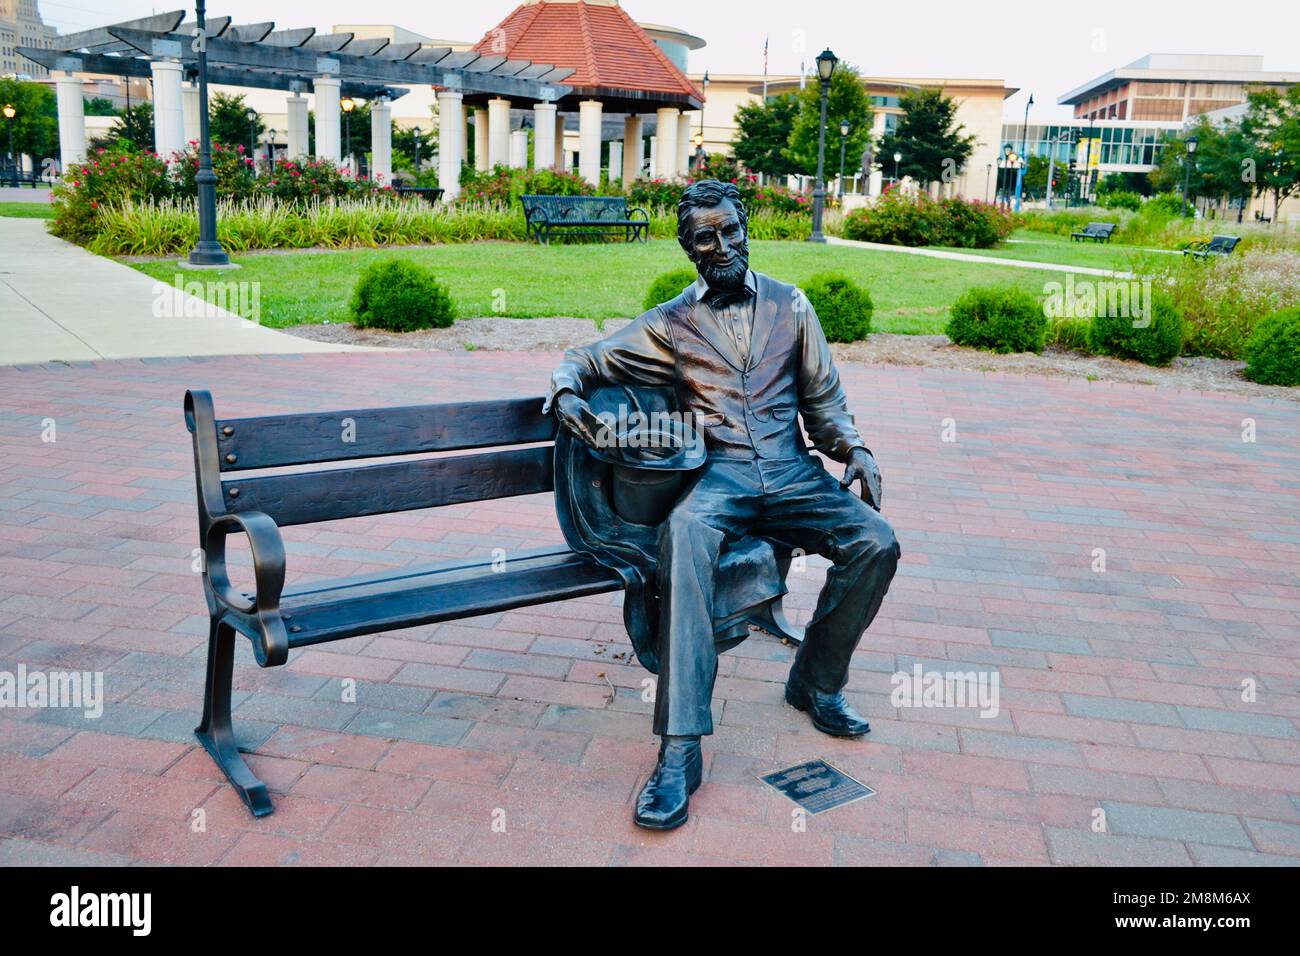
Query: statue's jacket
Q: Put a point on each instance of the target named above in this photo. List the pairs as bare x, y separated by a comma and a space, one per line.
678, 357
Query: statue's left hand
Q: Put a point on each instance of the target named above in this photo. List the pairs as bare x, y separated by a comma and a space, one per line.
862, 467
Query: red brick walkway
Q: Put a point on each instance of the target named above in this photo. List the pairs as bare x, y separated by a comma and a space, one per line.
1121, 691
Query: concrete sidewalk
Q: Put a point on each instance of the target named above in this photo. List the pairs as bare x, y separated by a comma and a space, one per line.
59, 302
981, 260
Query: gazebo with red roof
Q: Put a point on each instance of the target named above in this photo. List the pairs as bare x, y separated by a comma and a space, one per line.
617, 68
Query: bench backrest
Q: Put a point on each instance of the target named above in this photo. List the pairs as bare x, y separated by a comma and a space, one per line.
1100, 228
226, 446
1223, 243
575, 208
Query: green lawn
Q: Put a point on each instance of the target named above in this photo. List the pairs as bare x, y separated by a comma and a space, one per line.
1044, 247
912, 294
27, 210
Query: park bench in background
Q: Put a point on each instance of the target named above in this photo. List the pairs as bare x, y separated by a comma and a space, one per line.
276, 619
430, 194
583, 215
1096, 231
1217, 246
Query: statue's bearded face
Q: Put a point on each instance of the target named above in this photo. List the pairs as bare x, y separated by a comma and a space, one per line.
717, 244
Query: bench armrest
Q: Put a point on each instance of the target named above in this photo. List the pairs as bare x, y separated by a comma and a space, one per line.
272, 647
640, 210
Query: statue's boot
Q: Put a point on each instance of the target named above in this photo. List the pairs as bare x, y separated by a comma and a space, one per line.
665, 798
831, 713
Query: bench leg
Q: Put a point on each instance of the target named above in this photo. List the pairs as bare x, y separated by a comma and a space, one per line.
215, 732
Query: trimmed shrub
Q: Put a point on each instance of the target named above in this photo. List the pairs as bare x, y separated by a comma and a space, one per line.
667, 286
901, 220
1120, 199
1158, 342
401, 296
1273, 351
1001, 318
843, 307
1069, 333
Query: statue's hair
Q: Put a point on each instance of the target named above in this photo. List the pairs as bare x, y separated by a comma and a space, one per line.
705, 194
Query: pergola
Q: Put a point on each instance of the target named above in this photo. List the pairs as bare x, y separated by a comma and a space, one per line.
331, 65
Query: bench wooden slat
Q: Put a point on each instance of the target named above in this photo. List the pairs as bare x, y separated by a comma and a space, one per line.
276, 440
471, 592
304, 498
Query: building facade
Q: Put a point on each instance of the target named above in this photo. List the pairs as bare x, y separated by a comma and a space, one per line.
21, 25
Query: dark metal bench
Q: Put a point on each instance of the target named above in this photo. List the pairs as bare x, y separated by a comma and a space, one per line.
583, 215
430, 194
276, 620
15, 177
1217, 246
1096, 231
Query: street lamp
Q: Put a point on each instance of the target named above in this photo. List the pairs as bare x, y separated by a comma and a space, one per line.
270, 149
1024, 145
10, 113
1187, 169
347, 104
844, 140
415, 138
208, 251
704, 85
988, 168
826, 61
1007, 153
897, 158
699, 148
250, 114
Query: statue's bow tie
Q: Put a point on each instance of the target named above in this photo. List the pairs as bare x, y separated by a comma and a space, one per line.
722, 298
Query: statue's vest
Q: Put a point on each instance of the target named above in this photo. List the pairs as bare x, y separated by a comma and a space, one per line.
746, 409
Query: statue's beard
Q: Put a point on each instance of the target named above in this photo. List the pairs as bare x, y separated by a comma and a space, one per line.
729, 277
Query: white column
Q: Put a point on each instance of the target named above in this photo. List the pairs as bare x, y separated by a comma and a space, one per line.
654, 156
381, 140
480, 139
296, 108
589, 141
327, 118
451, 144
543, 135
498, 132
615, 159
72, 120
633, 149
168, 111
683, 144
519, 149
190, 112
666, 142
560, 162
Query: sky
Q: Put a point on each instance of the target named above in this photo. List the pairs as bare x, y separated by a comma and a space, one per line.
1044, 48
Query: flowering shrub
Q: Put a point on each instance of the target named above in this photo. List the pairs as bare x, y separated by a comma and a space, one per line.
898, 219
504, 185
107, 178
126, 177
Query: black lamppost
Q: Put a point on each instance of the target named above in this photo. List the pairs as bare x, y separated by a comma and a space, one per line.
704, 85
699, 148
1187, 169
250, 114
208, 251
1024, 143
347, 104
988, 168
826, 61
415, 140
1006, 174
897, 157
10, 113
844, 139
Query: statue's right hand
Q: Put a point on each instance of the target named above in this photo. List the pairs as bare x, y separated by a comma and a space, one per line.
575, 415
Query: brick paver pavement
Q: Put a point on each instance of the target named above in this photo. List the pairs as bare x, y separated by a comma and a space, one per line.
1159, 695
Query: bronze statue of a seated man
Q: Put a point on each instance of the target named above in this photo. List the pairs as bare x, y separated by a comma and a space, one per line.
746, 357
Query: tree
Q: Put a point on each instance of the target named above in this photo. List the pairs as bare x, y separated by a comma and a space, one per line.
99, 106
133, 126
847, 100
404, 146
933, 144
1036, 175
35, 124
1271, 128
763, 134
228, 121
